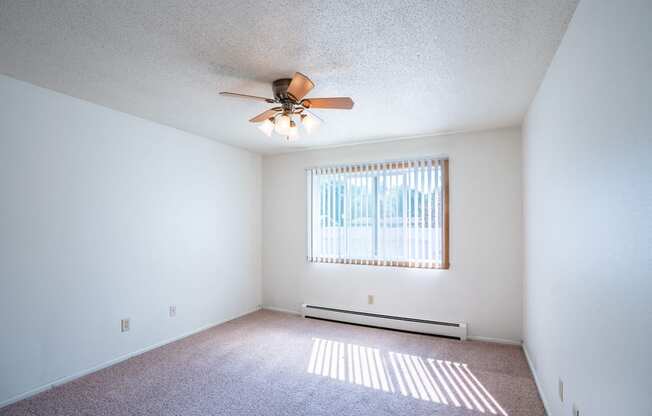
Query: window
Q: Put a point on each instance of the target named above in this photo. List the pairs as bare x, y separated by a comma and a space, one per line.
384, 213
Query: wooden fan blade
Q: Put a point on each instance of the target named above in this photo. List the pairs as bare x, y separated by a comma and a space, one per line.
342, 103
246, 97
300, 86
264, 115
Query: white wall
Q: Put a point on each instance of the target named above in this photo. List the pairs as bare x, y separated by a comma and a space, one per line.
484, 284
588, 214
105, 216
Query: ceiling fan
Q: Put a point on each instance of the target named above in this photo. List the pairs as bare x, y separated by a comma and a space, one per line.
289, 94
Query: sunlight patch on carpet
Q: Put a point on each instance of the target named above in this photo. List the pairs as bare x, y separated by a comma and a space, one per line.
439, 381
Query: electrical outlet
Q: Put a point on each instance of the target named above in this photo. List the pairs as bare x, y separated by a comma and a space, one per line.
173, 311
124, 325
576, 411
561, 390
370, 299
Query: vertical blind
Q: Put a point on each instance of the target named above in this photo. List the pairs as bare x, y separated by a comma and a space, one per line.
382, 213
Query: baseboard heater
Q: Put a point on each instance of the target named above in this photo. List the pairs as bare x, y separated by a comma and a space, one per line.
401, 323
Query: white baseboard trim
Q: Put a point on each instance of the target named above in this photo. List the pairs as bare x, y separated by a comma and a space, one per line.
536, 380
82, 373
494, 340
273, 308
471, 338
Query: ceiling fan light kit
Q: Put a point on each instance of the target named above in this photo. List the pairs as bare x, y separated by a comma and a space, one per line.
292, 108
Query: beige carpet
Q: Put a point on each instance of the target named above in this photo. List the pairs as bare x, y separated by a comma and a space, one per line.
269, 363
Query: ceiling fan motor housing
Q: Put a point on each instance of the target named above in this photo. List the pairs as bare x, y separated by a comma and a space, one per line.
280, 88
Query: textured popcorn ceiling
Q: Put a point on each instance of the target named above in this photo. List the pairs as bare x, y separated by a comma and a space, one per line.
412, 67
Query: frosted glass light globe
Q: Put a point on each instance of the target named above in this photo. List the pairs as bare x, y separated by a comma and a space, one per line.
282, 125
267, 127
309, 122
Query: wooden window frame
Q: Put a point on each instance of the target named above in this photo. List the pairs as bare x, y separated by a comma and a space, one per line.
445, 263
